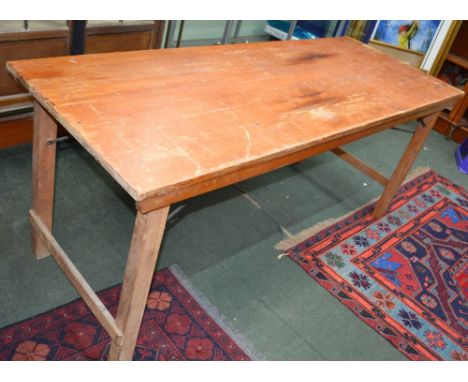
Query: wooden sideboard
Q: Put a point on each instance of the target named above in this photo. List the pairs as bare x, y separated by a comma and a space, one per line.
453, 123
16, 105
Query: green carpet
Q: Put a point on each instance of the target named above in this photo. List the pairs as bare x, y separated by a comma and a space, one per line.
220, 240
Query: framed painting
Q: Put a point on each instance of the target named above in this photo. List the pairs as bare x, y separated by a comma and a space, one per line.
412, 35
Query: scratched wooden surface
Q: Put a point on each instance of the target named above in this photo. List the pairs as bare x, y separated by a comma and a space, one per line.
160, 119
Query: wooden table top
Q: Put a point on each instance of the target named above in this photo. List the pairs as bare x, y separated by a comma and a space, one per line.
161, 119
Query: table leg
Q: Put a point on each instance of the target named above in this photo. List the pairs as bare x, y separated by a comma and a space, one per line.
406, 161
144, 249
43, 174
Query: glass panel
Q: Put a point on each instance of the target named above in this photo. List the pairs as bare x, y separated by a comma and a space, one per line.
252, 28
305, 29
249, 30
202, 30
39, 25
318, 28
9, 26
208, 32
117, 22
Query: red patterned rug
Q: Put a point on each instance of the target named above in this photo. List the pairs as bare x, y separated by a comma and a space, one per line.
175, 327
406, 274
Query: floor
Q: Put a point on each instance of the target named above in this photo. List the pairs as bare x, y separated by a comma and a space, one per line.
222, 241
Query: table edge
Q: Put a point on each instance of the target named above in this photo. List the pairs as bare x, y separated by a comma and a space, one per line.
142, 198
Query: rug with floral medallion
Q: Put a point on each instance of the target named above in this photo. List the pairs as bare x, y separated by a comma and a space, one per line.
178, 324
406, 274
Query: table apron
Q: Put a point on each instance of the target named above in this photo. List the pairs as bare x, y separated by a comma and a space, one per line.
265, 165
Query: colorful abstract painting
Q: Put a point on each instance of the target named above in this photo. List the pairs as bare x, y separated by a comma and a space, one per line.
405, 274
414, 35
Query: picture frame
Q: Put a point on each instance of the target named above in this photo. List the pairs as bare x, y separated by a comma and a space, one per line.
409, 35
435, 47
435, 55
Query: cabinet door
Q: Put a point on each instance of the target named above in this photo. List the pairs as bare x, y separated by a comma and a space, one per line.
29, 39
115, 36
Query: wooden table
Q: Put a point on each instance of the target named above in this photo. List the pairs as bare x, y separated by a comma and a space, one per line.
171, 124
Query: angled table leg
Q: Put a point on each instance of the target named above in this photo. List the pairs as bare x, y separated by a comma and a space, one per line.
406, 161
144, 249
43, 174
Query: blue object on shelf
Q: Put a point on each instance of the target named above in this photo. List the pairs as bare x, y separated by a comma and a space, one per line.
280, 28
461, 155
306, 29
368, 31
317, 28
311, 29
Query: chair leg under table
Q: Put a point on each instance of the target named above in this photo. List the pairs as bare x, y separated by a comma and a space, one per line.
43, 174
144, 249
404, 165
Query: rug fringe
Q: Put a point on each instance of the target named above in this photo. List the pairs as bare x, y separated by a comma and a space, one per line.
416, 172
213, 312
290, 242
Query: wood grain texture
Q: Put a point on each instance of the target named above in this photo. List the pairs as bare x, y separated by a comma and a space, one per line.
252, 169
43, 174
360, 165
118, 42
15, 132
25, 45
144, 250
120, 38
19, 129
404, 165
160, 121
